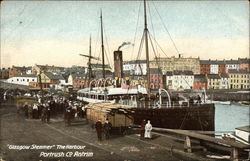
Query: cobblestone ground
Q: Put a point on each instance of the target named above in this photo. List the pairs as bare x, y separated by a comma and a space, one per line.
16, 130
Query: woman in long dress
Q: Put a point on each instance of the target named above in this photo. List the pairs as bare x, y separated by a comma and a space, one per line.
148, 129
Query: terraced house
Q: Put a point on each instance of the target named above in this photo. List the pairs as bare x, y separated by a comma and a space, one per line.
179, 80
213, 81
239, 79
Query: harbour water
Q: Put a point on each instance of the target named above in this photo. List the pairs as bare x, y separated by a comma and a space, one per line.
228, 117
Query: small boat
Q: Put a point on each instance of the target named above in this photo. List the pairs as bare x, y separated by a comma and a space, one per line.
241, 134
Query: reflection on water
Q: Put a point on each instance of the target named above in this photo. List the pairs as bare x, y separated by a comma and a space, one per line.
228, 117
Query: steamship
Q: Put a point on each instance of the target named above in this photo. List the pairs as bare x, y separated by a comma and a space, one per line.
162, 109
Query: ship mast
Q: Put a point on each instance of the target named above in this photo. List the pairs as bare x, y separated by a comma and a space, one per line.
146, 48
90, 70
103, 62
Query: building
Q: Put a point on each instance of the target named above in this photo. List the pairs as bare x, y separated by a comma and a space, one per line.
4, 73
135, 67
99, 67
232, 64
238, 79
47, 68
200, 82
244, 64
24, 79
169, 64
222, 67
78, 80
212, 67
179, 80
49, 79
97, 74
139, 80
224, 81
205, 67
15, 71
213, 81
75, 69
156, 78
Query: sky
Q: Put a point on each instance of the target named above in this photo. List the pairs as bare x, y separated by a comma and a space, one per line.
56, 32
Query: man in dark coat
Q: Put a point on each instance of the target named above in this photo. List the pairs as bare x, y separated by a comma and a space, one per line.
48, 113
143, 123
43, 114
68, 116
26, 109
106, 129
98, 127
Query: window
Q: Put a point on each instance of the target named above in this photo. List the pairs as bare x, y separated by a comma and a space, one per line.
17, 79
28, 80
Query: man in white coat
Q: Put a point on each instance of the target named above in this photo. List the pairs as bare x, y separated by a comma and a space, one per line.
148, 129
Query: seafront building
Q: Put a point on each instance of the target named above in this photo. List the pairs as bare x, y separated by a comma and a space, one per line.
168, 64
239, 79
200, 82
179, 80
213, 81
135, 67
77, 80
214, 74
24, 79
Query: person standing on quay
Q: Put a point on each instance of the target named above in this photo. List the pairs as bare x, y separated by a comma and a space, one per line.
48, 114
148, 129
30, 111
106, 128
98, 127
143, 123
43, 115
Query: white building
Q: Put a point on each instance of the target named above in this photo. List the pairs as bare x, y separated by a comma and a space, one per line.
214, 68
138, 67
24, 79
224, 81
232, 64
178, 80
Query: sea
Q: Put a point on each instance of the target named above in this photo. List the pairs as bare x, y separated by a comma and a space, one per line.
229, 117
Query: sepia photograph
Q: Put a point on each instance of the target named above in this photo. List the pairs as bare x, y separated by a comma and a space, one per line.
130, 80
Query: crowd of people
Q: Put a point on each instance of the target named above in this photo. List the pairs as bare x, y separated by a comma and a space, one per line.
45, 109
54, 107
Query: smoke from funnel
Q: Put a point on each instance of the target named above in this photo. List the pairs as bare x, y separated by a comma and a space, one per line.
123, 44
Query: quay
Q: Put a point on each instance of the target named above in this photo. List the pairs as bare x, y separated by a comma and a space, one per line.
166, 145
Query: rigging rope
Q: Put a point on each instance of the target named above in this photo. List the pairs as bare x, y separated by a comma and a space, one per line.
138, 16
160, 47
150, 17
107, 56
157, 62
99, 28
165, 27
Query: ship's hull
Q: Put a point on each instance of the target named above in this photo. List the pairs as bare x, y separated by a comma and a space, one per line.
195, 117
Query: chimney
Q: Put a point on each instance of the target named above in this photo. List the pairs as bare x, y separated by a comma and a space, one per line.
118, 64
